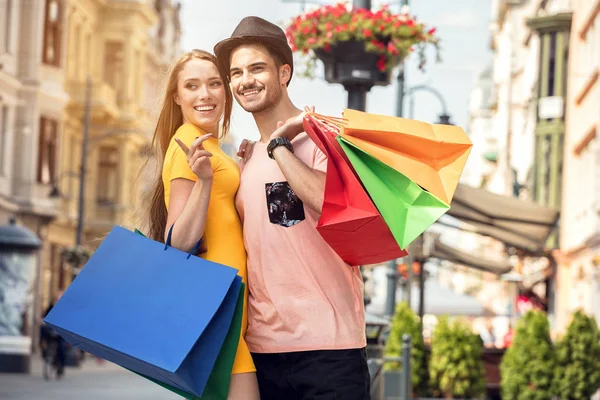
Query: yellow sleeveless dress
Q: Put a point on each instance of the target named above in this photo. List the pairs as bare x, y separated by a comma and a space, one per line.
223, 232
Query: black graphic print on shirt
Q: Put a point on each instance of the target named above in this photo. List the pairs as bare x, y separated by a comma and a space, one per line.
285, 208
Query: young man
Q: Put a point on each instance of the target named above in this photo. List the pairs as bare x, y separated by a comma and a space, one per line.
306, 328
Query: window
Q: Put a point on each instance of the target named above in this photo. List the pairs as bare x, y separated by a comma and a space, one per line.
108, 162
52, 33
8, 27
114, 65
47, 150
3, 135
552, 64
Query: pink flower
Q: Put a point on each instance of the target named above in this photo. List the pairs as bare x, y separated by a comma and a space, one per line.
392, 49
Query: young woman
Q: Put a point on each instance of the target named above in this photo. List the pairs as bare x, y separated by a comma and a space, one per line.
196, 192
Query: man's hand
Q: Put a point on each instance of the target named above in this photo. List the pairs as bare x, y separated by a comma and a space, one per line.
292, 127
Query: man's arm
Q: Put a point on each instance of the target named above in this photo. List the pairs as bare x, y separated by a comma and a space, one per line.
307, 183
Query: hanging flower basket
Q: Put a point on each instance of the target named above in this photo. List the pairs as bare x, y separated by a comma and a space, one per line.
358, 46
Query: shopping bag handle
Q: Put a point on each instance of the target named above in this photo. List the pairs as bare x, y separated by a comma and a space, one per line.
334, 123
194, 250
327, 126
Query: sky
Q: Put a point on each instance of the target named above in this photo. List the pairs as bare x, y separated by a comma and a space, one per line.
462, 25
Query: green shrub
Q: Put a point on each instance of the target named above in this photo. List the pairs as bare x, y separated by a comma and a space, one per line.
577, 373
528, 365
456, 366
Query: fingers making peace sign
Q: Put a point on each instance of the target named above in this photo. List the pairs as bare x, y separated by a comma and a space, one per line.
197, 157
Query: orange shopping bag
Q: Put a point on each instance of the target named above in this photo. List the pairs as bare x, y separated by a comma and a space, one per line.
432, 156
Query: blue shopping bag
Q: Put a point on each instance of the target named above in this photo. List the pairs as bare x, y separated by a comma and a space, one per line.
150, 308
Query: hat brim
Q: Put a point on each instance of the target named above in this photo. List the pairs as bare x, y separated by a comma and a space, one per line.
224, 48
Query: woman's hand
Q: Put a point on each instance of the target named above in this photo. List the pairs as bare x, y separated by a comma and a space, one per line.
198, 158
245, 149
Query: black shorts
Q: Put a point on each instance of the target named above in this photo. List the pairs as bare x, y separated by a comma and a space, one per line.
313, 375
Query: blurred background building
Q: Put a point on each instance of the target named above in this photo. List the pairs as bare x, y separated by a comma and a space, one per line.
541, 116
48, 51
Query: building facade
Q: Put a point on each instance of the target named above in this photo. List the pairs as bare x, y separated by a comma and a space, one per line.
484, 154
116, 53
546, 117
515, 77
32, 106
579, 267
526, 127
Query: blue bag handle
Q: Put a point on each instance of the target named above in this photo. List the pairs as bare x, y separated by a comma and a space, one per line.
194, 250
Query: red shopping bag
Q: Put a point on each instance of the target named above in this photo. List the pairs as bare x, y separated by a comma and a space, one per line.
350, 222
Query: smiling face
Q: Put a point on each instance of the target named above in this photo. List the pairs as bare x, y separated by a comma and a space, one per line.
201, 94
257, 78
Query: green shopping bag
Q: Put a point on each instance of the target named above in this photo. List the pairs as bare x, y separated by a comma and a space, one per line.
217, 387
406, 208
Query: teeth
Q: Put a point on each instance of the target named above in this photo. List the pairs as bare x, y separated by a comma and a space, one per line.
251, 93
204, 108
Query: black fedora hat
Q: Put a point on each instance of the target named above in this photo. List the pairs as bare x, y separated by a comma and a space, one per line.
261, 31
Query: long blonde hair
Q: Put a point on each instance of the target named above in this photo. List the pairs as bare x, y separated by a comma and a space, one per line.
169, 120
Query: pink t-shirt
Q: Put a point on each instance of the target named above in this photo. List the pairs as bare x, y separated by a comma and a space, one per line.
302, 295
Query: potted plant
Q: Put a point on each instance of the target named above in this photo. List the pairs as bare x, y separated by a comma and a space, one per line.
406, 321
577, 374
527, 367
358, 46
456, 368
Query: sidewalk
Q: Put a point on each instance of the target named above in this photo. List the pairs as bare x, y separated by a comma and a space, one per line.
88, 366
90, 381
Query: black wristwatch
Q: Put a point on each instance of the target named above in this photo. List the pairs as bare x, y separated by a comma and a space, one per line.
280, 141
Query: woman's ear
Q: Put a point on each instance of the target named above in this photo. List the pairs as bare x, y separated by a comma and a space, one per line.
176, 99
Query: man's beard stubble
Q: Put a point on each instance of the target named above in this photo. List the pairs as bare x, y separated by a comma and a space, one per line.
273, 97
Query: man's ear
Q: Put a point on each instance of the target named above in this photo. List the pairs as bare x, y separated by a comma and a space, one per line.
285, 73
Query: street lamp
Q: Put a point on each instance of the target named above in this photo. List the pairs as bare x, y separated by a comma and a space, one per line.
444, 117
78, 255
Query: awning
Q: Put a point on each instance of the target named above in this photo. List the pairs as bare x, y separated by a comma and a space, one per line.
444, 252
518, 223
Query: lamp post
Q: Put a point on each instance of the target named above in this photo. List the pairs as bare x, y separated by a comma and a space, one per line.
82, 167
81, 174
401, 81
444, 117
78, 255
